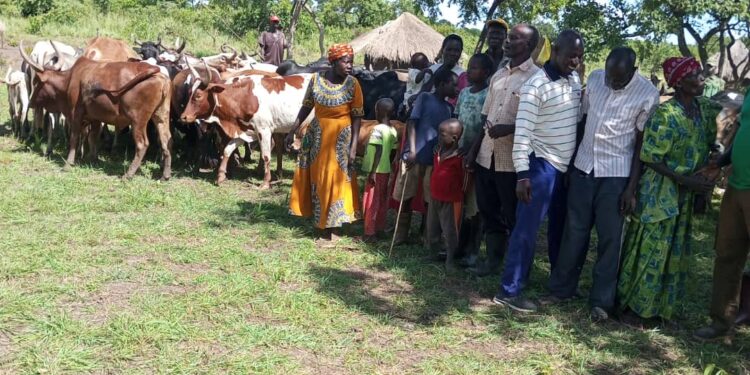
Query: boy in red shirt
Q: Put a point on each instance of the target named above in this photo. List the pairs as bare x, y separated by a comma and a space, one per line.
447, 185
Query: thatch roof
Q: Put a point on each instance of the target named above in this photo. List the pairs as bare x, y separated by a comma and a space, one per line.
740, 56
398, 39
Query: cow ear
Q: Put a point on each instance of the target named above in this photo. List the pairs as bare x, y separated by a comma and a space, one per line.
216, 88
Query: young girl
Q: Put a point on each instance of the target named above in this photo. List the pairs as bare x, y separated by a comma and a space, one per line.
469, 112
447, 185
377, 164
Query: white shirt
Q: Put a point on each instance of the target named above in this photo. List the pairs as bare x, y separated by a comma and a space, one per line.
614, 117
547, 120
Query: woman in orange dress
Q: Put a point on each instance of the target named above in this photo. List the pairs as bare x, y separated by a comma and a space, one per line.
325, 183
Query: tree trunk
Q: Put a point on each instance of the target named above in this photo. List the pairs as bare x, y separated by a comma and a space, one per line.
321, 31
483, 35
297, 6
682, 43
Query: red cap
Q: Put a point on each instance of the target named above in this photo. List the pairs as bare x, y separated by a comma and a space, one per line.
275, 19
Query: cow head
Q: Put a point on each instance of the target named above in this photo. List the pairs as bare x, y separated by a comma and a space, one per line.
59, 60
203, 95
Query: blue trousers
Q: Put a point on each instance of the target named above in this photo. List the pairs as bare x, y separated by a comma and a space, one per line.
547, 199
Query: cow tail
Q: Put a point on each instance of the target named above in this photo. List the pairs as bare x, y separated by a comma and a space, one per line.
136, 80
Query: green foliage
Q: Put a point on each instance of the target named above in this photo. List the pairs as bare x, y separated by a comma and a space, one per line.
30, 8
10, 8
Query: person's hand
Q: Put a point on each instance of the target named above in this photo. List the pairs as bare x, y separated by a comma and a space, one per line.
411, 159
499, 130
697, 183
371, 178
628, 201
352, 159
469, 164
523, 190
463, 151
289, 141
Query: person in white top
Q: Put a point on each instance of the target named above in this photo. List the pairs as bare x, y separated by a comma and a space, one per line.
618, 102
543, 144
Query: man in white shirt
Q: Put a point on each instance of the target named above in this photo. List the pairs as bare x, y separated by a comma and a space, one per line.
543, 144
603, 182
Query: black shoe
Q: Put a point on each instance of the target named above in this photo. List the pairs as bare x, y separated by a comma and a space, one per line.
517, 303
710, 333
552, 299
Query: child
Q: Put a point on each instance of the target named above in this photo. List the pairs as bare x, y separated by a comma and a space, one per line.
469, 112
447, 185
419, 63
377, 165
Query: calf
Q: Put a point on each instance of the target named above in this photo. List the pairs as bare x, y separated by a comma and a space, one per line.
118, 93
18, 99
259, 103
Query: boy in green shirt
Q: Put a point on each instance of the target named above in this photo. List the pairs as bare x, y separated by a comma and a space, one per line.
378, 169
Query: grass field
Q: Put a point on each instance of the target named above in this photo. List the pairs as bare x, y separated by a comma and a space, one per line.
98, 275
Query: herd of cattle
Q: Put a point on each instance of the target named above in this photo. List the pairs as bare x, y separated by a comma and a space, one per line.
228, 98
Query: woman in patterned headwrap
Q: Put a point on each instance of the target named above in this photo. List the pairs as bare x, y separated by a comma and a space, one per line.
676, 148
325, 184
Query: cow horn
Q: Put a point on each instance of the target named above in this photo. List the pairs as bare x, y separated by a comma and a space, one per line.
136, 41
192, 69
26, 58
224, 48
158, 42
181, 46
54, 47
208, 70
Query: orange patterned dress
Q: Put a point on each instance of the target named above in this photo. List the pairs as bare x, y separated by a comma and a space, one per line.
323, 186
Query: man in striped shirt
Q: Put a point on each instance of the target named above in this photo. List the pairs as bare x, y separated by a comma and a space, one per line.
618, 102
544, 142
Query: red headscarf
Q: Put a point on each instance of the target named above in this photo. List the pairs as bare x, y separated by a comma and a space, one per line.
338, 51
677, 68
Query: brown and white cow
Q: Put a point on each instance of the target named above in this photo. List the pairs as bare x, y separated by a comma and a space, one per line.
259, 102
118, 93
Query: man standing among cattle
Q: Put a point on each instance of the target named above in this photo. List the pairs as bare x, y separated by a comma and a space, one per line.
273, 42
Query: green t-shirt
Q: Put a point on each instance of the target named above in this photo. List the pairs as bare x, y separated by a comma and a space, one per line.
740, 178
385, 136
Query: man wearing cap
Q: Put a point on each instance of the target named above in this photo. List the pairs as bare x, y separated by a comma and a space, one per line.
497, 32
273, 42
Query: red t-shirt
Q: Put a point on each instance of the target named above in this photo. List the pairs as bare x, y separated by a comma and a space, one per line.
447, 180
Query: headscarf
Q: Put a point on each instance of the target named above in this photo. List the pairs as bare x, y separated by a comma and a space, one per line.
677, 68
338, 51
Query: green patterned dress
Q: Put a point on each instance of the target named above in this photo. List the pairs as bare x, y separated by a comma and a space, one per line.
656, 251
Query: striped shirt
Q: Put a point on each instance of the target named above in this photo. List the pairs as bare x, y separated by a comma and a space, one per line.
501, 107
546, 122
614, 117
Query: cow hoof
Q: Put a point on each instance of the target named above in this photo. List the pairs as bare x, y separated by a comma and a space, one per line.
126, 177
265, 186
164, 178
220, 180
67, 168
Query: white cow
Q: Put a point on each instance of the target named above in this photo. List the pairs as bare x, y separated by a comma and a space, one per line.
18, 98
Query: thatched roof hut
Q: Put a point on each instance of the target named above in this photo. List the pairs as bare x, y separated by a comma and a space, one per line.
740, 56
392, 44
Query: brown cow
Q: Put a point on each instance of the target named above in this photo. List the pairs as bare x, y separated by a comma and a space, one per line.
108, 49
118, 93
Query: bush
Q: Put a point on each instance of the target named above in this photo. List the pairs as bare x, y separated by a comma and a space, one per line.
31, 8
9, 8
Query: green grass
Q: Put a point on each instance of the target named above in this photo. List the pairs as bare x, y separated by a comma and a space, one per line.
99, 275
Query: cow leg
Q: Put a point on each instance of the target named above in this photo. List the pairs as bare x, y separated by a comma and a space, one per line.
228, 151
247, 159
161, 120
75, 135
140, 138
93, 138
38, 124
50, 135
265, 152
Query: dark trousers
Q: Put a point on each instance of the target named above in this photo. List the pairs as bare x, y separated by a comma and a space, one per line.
547, 199
442, 222
593, 202
496, 198
732, 244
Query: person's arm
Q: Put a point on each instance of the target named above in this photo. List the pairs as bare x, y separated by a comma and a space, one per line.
375, 162
411, 131
526, 119
357, 113
307, 107
471, 155
628, 199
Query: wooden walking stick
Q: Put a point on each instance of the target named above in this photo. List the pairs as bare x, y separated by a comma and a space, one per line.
400, 207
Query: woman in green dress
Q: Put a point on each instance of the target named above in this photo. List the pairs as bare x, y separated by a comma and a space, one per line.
676, 147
